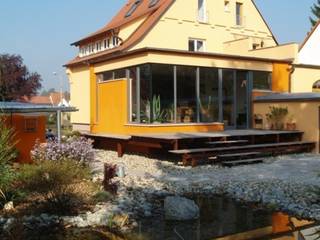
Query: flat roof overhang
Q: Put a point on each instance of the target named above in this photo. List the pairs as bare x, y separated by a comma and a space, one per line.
17, 107
121, 54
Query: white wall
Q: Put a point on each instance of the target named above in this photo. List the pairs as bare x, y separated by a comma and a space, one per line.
310, 53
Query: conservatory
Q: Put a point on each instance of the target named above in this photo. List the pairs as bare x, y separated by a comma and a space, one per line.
177, 94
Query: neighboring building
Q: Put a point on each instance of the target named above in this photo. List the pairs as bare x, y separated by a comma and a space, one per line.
29, 122
177, 66
306, 68
53, 98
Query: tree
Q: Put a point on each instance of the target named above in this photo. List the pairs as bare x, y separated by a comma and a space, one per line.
315, 9
15, 79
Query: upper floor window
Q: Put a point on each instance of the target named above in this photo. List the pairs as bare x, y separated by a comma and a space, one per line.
153, 3
239, 14
134, 6
196, 45
202, 14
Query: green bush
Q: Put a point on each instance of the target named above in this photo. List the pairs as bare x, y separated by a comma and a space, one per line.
8, 153
61, 186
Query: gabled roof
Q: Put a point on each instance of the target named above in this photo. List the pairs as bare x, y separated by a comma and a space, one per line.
309, 35
121, 19
153, 15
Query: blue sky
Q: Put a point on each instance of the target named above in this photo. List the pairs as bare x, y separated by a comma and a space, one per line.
41, 30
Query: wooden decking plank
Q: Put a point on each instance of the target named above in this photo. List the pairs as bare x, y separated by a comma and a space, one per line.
227, 142
200, 150
238, 162
239, 154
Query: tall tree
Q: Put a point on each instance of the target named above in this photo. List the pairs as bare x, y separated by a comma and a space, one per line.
315, 9
15, 79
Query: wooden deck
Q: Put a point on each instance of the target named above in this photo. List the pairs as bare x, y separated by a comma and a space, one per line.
191, 146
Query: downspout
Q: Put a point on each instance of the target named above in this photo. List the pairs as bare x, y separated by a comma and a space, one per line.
291, 70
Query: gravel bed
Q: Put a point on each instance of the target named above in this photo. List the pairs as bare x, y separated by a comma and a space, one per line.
286, 183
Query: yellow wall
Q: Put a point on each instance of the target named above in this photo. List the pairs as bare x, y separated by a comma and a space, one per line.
180, 23
79, 78
112, 105
305, 114
303, 78
281, 77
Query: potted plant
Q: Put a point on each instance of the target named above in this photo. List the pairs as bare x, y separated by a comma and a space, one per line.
291, 124
276, 117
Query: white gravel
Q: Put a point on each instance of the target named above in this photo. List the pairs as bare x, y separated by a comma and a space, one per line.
287, 183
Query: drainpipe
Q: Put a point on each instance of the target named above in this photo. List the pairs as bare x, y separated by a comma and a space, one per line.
291, 70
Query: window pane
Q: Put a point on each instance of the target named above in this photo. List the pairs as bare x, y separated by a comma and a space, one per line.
209, 95
191, 45
186, 94
262, 80
133, 84
145, 93
162, 94
119, 74
200, 46
228, 97
239, 13
108, 76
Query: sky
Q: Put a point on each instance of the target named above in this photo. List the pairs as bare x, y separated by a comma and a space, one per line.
41, 31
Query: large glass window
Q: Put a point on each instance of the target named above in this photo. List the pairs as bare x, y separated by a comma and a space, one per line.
145, 93
186, 94
162, 102
228, 97
209, 95
262, 80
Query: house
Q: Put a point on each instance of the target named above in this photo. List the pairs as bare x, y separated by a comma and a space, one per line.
54, 99
163, 66
306, 67
29, 124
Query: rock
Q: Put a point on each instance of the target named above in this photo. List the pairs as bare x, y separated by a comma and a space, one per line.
8, 207
180, 209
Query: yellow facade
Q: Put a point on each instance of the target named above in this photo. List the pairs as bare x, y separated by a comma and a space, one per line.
103, 107
112, 115
305, 114
180, 23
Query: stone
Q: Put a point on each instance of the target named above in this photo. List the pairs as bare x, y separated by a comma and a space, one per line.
8, 207
180, 209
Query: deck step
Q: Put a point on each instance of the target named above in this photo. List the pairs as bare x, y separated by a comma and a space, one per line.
242, 162
234, 155
227, 142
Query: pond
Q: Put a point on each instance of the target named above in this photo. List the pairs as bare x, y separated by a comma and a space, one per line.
220, 218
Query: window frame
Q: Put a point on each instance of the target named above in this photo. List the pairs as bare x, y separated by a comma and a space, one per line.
26, 127
239, 15
133, 8
195, 44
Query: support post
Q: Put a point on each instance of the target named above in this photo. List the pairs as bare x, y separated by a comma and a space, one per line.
59, 125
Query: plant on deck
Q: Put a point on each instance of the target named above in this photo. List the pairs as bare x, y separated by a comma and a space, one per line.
276, 117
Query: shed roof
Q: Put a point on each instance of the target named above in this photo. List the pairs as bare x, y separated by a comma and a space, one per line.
289, 97
18, 107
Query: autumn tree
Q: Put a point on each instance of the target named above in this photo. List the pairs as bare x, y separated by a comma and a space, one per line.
315, 9
15, 79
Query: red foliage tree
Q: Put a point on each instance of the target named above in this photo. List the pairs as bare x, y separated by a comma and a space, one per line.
15, 79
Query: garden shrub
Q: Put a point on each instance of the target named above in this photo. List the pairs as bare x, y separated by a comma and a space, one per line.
63, 187
8, 153
110, 172
79, 149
